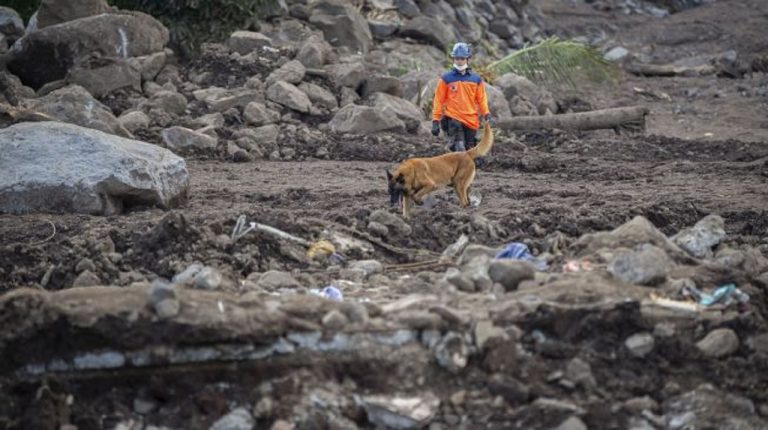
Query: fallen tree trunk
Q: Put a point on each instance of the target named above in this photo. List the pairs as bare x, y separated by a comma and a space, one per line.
671, 70
625, 118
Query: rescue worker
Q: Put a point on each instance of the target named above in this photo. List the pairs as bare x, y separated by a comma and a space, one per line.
460, 101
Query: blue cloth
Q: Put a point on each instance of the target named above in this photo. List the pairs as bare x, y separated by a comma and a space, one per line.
519, 251
332, 293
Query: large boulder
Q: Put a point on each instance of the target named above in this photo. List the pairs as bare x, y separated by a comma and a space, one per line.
350, 75
380, 83
47, 55
74, 105
429, 30
292, 72
106, 76
517, 88
11, 24
52, 12
497, 103
408, 112
245, 42
184, 141
58, 167
289, 95
364, 119
342, 24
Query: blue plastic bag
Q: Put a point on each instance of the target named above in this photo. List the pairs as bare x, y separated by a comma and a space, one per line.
519, 251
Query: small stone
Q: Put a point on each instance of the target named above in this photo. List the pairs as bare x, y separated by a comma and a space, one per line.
167, 308
143, 406
460, 280
616, 54
640, 344
356, 312
335, 320
572, 423
85, 264
640, 404
370, 267
282, 425
458, 398
719, 343
664, 329
699, 239
238, 419
207, 278
485, 330
580, 372
452, 352
648, 265
161, 290
86, 279
378, 229
509, 273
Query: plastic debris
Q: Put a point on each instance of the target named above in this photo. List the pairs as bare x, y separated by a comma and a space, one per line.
519, 251
330, 292
726, 295
578, 266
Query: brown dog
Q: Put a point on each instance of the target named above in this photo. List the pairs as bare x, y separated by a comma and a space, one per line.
417, 177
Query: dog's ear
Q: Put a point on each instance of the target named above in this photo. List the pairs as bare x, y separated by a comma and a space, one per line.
389, 175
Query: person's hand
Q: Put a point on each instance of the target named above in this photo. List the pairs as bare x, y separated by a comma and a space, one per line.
435, 128
487, 118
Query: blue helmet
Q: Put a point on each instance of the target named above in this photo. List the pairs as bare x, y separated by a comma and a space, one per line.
461, 50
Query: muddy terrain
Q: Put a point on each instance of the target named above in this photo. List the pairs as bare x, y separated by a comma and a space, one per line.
97, 333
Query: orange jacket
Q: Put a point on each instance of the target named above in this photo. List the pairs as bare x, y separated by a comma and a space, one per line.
463, 97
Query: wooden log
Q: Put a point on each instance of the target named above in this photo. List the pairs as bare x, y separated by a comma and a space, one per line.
626, 118
670, 70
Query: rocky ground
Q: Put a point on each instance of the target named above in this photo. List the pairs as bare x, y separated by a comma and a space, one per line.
146, 318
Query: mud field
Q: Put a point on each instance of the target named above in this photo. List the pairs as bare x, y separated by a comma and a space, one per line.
553, 352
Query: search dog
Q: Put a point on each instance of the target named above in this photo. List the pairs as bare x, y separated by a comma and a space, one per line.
414, 178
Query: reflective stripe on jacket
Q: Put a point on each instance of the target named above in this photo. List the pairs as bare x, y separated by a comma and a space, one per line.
463, 97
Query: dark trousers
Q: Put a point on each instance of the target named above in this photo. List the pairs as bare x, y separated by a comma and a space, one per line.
460, 137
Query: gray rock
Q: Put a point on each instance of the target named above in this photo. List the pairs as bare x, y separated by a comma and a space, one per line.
245, 42
456, 248
452, 352
289, 95
378, 229
314, 52
640, 344
292, 72
369, 267
161, 290
222, 99
150, 65
120, 35
169, 101
207, 278
335, 320
134, 121
460, 280
617, 53
580, 372
182, 140
258, 114
379, 83
485, 331
342, 24
640, 404
103, 79
382, 29
363, 120
391, 221
509, 273
57, 167
267, 134
477, 270
401, 413
512, 86
349, 75
348, 96
408, 8
237, 419
404, 110
143, 406
52, 12
572, 423
11, 24
319, 96
498, 103
167, 308
215, 120
74, 105
274, 279
647, 266
699, 239
430, 30
86, 279
719, 343
711, 408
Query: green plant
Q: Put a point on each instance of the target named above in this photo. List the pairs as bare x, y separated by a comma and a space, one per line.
192, 22
556, 62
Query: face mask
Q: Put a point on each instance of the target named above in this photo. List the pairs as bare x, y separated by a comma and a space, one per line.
461, 68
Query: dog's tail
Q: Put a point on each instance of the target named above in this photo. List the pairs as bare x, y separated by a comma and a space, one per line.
486, 142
